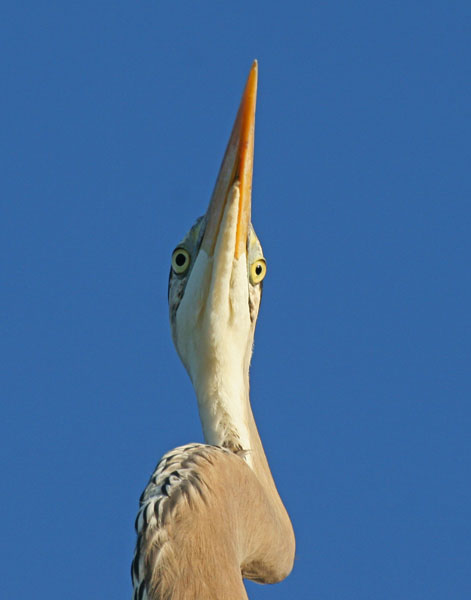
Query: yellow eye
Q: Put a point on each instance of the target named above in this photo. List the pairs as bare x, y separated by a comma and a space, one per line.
258, 270
180, 260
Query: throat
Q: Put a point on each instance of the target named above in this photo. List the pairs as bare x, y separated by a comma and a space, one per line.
224, 408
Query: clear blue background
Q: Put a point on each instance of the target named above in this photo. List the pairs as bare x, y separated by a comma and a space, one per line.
114, 119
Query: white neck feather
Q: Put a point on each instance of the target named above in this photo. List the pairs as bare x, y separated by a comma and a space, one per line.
224, 407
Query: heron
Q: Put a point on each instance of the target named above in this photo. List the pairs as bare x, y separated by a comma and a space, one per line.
211, 514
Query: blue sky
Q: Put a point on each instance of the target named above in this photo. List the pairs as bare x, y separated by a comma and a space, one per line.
115, 116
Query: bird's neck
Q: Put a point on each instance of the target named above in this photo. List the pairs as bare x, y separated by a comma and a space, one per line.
227, 418
224, 408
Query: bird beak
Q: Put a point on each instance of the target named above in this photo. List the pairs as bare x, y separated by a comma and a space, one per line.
236, 168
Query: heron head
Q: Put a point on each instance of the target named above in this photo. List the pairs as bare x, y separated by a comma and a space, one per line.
217, 270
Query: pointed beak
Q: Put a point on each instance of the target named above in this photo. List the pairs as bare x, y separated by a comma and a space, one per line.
236, 167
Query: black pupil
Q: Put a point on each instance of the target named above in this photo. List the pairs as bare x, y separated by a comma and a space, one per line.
180, 259
258, 269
